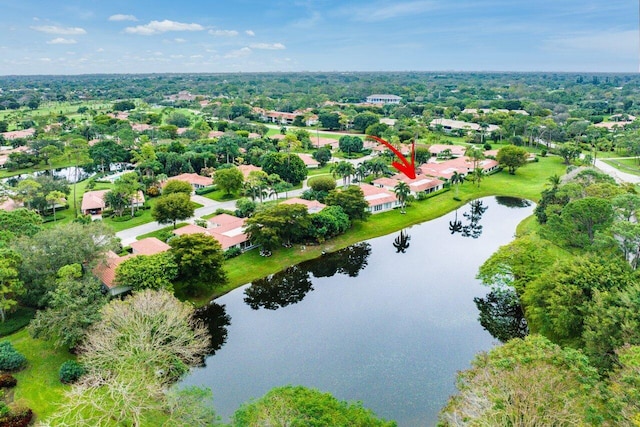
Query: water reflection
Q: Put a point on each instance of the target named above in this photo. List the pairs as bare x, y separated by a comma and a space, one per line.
473, 228
401, 243
279, 290
347, 261
214, 316
512, 202
293, 284
501, 315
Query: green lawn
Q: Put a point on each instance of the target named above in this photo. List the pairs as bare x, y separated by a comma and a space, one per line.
38, 385
222, 196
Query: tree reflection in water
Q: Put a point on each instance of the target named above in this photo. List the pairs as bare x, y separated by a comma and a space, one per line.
279, 290
473, 228
501, 315
215, 318
292, 285
512, 202
401, 243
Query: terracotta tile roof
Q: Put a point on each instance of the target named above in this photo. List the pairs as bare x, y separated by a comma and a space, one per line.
456, 150
313, 206
442, 170
140, 127
420, 183
15, 134
193, 179
93, 200
308, 160
228, 230
149, 246
106, 270
247, 169
377, 196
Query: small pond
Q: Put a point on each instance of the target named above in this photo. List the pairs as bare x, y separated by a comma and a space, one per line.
388, 322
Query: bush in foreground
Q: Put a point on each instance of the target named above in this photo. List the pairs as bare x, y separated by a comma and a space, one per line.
10, 359
70, 372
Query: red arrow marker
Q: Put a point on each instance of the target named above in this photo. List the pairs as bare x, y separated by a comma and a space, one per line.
406, 167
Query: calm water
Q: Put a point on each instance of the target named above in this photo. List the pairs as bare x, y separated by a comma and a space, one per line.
388, 322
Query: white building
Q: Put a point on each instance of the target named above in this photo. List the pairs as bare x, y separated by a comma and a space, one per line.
383, 99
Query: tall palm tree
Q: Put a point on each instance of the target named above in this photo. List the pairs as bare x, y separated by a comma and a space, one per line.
55, 197
344, 170
362, 171
555, 181
456, 179
402, 191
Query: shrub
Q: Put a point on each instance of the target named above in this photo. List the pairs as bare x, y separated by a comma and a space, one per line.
18, 418
206, 190
70, 372
10, 359
232, 252
8, 380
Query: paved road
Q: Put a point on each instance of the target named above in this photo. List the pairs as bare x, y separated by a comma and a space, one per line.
619, 176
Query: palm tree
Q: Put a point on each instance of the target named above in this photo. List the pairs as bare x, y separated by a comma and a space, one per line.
55, 197
456, 179
402, 191
555, 181
478, 174
362, 171
344, 170
455, 226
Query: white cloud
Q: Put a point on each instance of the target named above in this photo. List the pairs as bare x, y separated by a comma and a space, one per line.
45, 59
54, 29
157, 27
121, 17
223, 33
267, 46
179, 40
250, 33
381, 12
196, 56
60, 40
100, 49
239, 53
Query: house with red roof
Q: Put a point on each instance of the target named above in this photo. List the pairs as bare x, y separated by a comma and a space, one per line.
247, 169
420, 184
313, 206
105, 271
195, 180
379, 199
309, 161
455, 150
227, 229
148, 246
16, 134
93, 202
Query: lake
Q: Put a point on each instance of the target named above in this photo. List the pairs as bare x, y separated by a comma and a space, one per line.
387, 322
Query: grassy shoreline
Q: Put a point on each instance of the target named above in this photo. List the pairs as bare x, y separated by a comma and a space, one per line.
528, 182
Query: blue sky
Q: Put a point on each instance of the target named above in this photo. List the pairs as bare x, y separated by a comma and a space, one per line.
115, 36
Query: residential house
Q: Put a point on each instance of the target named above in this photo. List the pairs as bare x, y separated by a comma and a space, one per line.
420, 184
247, 169
476, 111
228, 230
309, 161
93, 202
17, 134
105, 271
196, 181
487, 165
379, 199
148, 246
313, 206
449, 125
442, 170
455, 150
